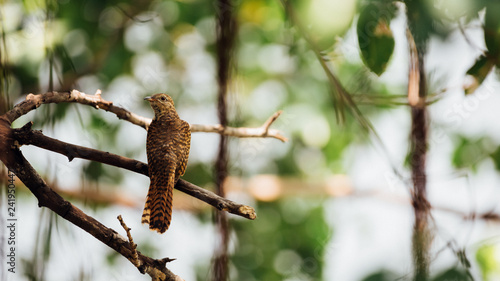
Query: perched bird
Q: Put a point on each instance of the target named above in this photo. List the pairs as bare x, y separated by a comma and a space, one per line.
167, 148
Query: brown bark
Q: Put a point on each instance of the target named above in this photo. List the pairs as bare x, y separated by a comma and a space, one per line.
226, 34
417, 92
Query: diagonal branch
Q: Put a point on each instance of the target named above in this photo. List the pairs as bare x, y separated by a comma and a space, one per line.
96, 101
34, 101
26, 136
47, 197
135, 255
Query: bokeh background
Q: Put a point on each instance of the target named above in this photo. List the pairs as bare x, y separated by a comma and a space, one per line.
330, 205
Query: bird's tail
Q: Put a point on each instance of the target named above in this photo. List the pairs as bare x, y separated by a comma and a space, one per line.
158, 209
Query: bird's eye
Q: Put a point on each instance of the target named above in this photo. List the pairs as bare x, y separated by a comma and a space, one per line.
163, 98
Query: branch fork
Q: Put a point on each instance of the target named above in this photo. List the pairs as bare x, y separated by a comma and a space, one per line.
263, 131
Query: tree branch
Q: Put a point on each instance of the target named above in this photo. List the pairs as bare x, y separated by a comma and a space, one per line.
34, 101
419, 137
259, 132
26, 136
135, 255
15, 162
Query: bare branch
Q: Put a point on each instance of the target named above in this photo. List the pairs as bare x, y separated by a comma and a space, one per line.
96, 101
135, 256
213, 199
26, 136
259, 132
34, 101
271, 120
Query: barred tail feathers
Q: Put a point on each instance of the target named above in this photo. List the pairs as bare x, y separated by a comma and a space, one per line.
147, 210
158, 208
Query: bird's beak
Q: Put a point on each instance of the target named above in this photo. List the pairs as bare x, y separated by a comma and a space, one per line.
148, 98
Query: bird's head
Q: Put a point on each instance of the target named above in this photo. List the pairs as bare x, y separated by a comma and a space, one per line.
162, 104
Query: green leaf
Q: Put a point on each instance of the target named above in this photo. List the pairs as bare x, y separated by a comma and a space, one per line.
469, 153
375, 38
478, 72
487, 261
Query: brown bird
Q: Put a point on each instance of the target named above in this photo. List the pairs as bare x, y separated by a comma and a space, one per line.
167, 147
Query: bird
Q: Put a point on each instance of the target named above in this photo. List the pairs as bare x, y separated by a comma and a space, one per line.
167, 147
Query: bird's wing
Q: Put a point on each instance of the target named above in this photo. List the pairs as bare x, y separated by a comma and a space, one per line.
183, 144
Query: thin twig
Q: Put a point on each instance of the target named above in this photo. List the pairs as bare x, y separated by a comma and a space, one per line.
135, 256
270, 121
260, 132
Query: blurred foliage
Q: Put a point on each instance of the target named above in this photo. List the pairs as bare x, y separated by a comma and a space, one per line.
96, 171
325, 19
422, 21
200, 174
453, 274
491, 56
469, 153
487, 259
492, 29
288, 241
382, 275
